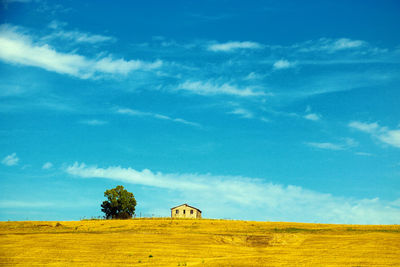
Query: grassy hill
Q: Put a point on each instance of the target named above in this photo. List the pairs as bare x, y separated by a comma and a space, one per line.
172, 242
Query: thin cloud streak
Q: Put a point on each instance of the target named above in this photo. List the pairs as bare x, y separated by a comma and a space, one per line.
326, 145
80, 37
208, 88
330, 45
137, 113
346, 143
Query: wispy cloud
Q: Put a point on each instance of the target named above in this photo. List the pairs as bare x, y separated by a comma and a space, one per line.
10, 160
383, 134
137, 113
233, 46
228, 196
312, 117
344, 43
144, 177
19, 48
253, 76
331, 45
94, 122
264, 119
325, 145
80, 37
243, 113
74, 36
211, 88
47, 166
283, 64
365, 127
345, 143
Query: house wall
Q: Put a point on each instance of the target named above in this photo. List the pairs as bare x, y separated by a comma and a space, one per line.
184, 212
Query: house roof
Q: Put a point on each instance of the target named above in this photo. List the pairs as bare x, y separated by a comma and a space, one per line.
186, 205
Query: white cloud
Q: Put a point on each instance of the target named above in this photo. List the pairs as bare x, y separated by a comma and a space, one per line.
232, 46
331, 45
133, 112
391, 137
144, 177
10, 160
94, 122
210, 88
329, 146
345, 43
19, 48
121, 66
283, 64
242, 197
75, 36
383, 134
345, 143
365, 127
47, 166
138, 113
243, 113
79, 37
312, 117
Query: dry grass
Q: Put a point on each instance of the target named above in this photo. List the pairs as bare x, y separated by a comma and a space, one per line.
167, 242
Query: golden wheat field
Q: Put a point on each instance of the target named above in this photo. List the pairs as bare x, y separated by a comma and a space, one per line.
180, 242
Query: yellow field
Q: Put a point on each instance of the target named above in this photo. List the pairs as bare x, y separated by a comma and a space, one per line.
167, 242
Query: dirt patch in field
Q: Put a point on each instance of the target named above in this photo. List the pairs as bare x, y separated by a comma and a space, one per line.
266, 240
259, 240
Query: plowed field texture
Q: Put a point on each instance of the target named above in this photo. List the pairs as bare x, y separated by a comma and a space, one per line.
184, 242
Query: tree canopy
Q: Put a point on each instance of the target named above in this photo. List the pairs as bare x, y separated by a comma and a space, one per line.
120, 203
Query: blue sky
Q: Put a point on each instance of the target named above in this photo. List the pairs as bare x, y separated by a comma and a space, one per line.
258, 110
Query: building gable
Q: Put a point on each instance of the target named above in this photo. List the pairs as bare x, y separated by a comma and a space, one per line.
185, 211
186, 205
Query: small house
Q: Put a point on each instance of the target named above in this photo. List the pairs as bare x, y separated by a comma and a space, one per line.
185, 211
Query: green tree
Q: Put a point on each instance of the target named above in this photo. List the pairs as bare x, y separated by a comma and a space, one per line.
120, 203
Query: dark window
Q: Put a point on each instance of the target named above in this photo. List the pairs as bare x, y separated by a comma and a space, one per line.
191, 211
184, 211
177, 211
